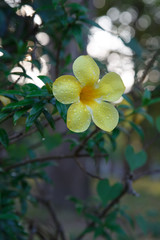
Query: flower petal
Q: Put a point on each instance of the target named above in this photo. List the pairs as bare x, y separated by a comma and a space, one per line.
66, 89
111, 87
105, 116
86, 70
78, 117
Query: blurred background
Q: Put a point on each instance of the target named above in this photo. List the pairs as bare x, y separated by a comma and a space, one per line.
37, 40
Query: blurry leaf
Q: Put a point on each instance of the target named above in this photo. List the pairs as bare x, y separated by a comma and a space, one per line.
158, 123
142, 224
103, 190
135, 160
128, 99
20, 74
146, 96
143, 112
34, 114
19, 114
127, 217
76, 30
148, 117
49, 118
76, 7
115, 191
62, 109
4, 137
9, 216
52, 141
134, 45
12, 151
68, 59
94, 218
3, 115
124, 106
40, 128
22, 103
99, 231
3, 25
5, 53
153, 101
90, 22
137, 128
11, 92
107, 192
45, 79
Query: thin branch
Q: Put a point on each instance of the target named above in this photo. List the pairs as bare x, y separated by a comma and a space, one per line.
146, 173
47, 158
81, 146
85, 171
149, 65
42, 159
14, 83
152, 140
58, 225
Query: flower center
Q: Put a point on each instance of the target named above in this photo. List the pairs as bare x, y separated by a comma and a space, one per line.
88, 94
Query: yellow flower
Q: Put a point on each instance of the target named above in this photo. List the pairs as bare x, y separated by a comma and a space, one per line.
87, 95
5, 101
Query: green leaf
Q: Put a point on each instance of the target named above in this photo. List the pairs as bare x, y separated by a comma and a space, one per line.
8, 216
52, 141
115, 191
137, 128
76, 7
45, 79
141, 221
128, 100
62, 109
4, 137
143, 112
15, 105
19, 114
158, 123
146, 96
3, 115
124, 106
76, 30
135, 160
34, 114
103, 190
39, 128
11, 92
49, 118
22, 74
153, 101
134, 45
106, 192
90, 22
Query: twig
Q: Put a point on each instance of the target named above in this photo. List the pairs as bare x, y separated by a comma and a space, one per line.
86, 172
146, 173
152, 140
45, 159
13, 84
149, 65
81, 146
58, 225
